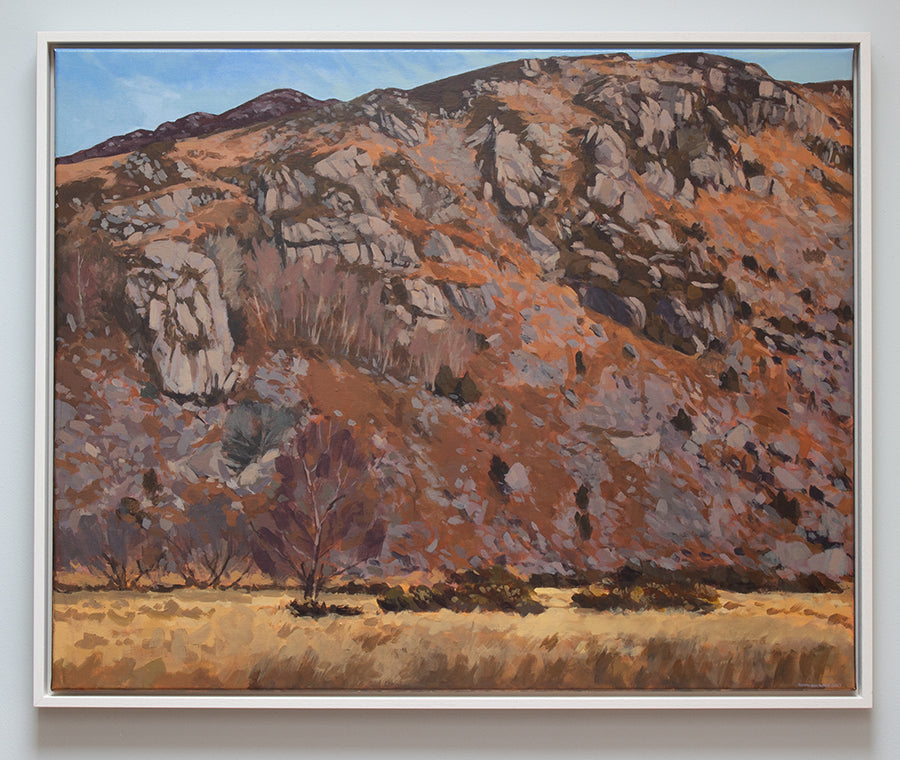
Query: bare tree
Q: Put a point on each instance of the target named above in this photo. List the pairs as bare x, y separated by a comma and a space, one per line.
326, 517
209, 543
122, 545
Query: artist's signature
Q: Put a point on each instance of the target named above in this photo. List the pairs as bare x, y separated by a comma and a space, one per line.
817, 685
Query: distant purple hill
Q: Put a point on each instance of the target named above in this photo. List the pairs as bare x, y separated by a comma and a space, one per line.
268, 106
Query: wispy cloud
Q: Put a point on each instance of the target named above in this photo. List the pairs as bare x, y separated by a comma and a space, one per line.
148, 97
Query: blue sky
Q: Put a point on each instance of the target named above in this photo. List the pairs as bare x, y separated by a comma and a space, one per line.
101, 92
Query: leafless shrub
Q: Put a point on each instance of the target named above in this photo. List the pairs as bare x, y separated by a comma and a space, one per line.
345, 314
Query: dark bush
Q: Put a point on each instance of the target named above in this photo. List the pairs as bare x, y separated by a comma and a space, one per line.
462, 390
583, 523
372, 588
582, 516
497, 473
683, 422
561, 580
844, 312
416, 599
314, 609
750, 263
582, 497
580, 367
753, 169
743, 580
811, 583
695, 231
467, 391
445, 382
495, 589
814, 255
786, 506
496, 416
647, 595
729, 380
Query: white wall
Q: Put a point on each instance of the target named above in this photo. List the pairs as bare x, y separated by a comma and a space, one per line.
135, 734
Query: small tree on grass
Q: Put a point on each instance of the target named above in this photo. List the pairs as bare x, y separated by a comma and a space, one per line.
323, 521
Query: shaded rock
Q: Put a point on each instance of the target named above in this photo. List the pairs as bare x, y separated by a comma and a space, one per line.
358, 239
473, 301
393, 117
342, 165
761, 185
440, 246
507, 164
738, 436
542, 250
427, 298
793, 555
627, 310
531, 370
833, 563
283, 189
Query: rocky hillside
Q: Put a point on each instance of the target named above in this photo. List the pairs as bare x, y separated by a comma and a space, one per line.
577, 312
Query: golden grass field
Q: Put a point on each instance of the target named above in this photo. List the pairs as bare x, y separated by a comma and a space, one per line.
208, 640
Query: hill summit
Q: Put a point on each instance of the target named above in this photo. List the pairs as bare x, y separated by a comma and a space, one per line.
270, 105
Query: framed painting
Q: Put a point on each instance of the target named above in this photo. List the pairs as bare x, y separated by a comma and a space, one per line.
453, 371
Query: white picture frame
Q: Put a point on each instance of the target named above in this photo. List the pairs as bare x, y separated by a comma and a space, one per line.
44, 696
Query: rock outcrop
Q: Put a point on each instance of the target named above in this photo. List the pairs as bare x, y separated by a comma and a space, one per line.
178, 297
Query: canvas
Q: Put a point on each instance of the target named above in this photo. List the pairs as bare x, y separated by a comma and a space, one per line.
467, 369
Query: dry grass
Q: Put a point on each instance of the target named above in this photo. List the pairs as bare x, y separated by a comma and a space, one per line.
193, 639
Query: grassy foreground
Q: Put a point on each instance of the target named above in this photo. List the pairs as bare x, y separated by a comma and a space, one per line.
192, 639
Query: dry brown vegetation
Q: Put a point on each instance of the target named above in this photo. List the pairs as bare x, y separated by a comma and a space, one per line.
205, 639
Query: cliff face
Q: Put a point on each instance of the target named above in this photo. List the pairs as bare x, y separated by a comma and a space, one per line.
634, 277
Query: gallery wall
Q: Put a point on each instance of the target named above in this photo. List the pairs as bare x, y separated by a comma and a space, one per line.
27, 733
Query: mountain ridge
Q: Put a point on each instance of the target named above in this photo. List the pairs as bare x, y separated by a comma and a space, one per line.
273, 104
